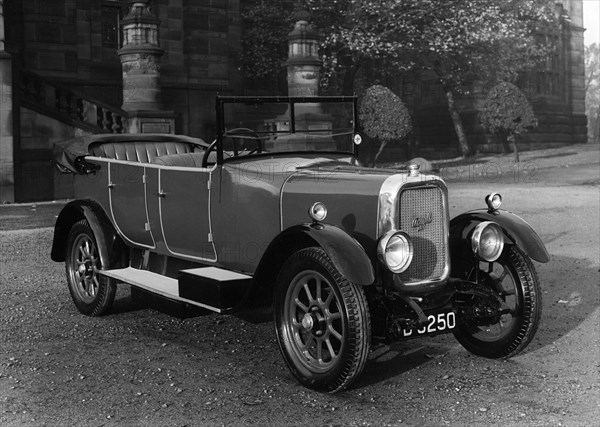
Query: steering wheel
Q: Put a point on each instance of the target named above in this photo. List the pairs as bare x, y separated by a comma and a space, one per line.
244, 134
207, 153
236, 151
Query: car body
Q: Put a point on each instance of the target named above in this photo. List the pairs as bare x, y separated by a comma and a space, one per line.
279, 205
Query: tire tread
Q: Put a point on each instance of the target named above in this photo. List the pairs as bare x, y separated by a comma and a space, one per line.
107, 288
529, 318
359, 325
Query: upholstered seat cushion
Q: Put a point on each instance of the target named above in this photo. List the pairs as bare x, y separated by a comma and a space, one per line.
189, 160
139, 151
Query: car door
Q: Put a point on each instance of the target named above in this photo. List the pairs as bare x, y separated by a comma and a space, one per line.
184, 206
127, 195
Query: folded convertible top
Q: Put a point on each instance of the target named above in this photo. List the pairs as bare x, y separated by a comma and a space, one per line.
66, 153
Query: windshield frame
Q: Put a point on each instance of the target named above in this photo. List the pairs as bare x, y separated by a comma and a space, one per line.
222, 100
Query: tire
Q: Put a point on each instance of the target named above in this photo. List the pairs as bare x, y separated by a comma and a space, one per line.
92, 293
514, 278
322, 322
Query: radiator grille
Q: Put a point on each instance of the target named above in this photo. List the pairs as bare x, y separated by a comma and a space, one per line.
423, 216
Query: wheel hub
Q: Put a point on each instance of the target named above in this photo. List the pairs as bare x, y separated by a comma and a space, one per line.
86, 269
308, 321
314, 321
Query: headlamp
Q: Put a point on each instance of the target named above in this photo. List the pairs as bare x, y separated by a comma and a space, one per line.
395, 250
487, 241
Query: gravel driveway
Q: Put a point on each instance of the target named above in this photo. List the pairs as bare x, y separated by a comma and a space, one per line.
154, 363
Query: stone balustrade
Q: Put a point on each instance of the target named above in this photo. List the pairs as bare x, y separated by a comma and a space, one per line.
63, 104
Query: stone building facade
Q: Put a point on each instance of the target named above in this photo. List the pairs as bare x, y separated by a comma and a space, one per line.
61, 76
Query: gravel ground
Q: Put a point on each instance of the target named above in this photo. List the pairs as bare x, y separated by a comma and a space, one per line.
153, 363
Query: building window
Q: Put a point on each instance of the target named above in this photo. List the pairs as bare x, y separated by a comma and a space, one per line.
545, 79
111, 15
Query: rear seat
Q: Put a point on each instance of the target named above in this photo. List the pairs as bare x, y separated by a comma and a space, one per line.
189, 160
139, 151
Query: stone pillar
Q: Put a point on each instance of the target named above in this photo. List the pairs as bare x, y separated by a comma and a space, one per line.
303, 64
140, 59
576, 70
303, 68
7, 182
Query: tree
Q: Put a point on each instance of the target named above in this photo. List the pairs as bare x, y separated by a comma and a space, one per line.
458, 40
356, 33
264, 45
592, 91
506, 110
383, 117
464, 41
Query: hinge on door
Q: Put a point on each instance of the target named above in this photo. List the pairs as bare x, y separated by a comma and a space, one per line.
147, 226
210, 238
144, 178
208, 184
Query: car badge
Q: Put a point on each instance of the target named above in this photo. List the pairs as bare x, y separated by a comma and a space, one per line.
421, 222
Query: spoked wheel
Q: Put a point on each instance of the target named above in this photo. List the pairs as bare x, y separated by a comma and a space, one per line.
502, 328
322, 321
92, 293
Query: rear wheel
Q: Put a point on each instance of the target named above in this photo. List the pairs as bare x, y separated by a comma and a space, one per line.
322, 321
503, 326
92, 293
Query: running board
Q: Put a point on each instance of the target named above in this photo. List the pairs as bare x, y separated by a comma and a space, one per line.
208, 287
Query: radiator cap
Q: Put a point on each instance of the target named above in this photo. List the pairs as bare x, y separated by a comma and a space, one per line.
413, 169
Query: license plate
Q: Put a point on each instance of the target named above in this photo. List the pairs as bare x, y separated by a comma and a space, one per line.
441, 322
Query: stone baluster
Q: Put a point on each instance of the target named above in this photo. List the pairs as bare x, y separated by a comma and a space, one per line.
61, 102
79, 109
118, 124
73, 107
108, 120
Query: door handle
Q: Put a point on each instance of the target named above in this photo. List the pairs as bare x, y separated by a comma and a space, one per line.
160, 194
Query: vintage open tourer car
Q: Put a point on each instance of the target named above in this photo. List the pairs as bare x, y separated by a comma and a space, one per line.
279, 205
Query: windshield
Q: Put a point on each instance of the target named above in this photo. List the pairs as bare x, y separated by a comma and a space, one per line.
281, 124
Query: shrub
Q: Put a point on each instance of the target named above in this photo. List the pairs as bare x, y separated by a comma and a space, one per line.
383, 117
507, 111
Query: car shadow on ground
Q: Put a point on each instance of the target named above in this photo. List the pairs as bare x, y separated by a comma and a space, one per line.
569, 293
389, 361
569, 297
138, 299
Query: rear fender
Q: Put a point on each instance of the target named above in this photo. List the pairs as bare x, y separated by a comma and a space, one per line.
345, 252
516, 231
109, 243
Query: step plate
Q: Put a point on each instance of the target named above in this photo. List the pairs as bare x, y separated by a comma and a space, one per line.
215, 273
213, 286
153, 282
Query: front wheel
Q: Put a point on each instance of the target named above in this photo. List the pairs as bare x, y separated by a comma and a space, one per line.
92, 293
517, 307
322, 321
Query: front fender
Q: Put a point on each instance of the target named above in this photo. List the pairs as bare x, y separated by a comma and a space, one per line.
348, 256
515, 229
